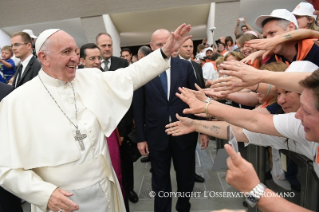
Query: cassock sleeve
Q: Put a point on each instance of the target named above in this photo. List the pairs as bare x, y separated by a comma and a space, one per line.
27, 185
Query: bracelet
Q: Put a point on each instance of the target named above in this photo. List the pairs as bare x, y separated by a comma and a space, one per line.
206, 109
269, 87
163, 55
256, 88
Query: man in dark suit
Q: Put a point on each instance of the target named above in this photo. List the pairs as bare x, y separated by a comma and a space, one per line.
8, 202
155, 105
125, 127
185, 52
109, 62
22, 48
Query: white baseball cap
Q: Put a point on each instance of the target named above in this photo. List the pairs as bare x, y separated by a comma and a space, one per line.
302, 66
304, 9
278, 13
201, 55
30, 32
209, 49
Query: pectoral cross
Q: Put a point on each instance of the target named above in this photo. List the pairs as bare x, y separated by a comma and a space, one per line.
79, 137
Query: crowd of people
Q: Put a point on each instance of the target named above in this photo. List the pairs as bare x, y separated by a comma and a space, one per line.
74, 119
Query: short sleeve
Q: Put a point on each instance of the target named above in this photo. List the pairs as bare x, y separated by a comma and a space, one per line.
290, 127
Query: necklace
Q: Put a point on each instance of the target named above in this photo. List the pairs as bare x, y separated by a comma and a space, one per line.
78, 137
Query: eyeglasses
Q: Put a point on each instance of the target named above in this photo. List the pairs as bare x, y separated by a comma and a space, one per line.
94, 58
18, 44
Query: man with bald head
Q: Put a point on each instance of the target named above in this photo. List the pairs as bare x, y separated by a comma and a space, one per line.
53, 153
154, 107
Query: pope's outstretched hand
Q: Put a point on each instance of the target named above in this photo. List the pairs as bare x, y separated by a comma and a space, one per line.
177, 38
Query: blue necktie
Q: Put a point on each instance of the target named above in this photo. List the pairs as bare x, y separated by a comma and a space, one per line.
163, 77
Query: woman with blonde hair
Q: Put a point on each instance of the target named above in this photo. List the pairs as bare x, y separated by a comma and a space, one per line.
305, 17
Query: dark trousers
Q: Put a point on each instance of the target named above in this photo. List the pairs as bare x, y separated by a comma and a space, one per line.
127, 172
9, 202
184, 165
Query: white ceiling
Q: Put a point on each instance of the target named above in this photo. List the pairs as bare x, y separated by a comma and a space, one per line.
135, 21
135, 28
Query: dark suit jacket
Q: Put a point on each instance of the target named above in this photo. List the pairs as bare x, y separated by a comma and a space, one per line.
199, 74
29, 73
5, 90
117, 62
152, 109
126, 124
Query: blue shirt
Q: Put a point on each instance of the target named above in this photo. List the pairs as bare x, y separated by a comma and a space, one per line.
8, 72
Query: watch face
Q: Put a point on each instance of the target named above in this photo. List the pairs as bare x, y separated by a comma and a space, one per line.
252, 199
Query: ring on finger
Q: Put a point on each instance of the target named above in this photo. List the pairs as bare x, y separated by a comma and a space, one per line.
238, 64
61, 210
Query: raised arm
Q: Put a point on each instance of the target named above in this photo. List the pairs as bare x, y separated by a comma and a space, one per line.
271, 43
251, 76
250, 120
236, 28
217, 129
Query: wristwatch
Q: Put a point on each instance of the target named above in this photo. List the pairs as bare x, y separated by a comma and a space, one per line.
207, 100
254, 195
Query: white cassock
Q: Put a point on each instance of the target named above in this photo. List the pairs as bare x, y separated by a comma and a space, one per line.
38, 152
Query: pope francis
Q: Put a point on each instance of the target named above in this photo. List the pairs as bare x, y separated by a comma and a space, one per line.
53, 151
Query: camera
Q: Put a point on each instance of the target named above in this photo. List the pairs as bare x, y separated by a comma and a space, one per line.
212, 29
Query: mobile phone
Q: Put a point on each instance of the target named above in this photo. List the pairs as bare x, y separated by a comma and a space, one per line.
232, 139
217, 42
241, 19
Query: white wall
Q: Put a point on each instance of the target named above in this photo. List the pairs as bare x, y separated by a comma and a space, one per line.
4, 39
111, 29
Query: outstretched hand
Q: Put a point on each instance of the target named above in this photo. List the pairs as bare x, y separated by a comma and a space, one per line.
200, 93
195, 105
176, 39
227, 85
248, 74
264, 44
253, 56
183, 126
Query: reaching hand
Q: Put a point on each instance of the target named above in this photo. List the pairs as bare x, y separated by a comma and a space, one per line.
215, 94
264, 44
187, 96
200, 93
240, 174
253, 56
248, 74
227, 85
58, 200
176, 39
183, 126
